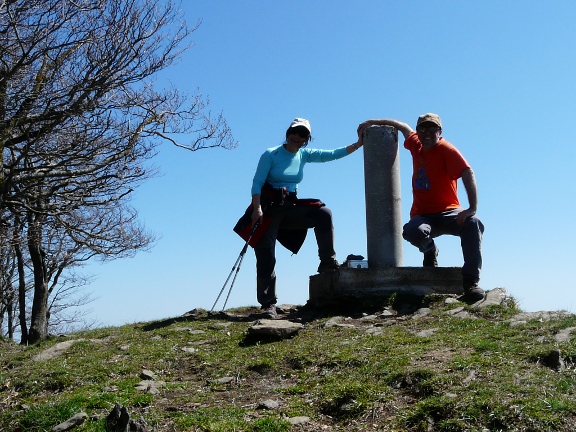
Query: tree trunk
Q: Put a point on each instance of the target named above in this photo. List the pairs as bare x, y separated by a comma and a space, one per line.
21, 294
39, 318
10, 315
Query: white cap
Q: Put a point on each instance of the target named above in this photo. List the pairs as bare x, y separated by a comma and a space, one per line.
301, 122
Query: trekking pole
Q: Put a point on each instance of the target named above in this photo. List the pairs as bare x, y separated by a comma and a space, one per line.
236, 267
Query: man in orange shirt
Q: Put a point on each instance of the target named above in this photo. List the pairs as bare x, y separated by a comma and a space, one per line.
437, 166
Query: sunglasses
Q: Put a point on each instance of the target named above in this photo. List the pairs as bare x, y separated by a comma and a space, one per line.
424, 129
302, 132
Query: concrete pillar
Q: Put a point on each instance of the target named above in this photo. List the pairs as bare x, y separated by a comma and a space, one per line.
383, 198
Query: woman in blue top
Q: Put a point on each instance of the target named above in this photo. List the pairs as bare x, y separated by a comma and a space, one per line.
279, 170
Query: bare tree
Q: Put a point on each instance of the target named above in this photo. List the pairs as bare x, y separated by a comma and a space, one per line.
8, 291
13, 279
67, 304
61, 255
79, 118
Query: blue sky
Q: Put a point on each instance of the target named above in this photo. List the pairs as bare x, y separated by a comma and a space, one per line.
499, 73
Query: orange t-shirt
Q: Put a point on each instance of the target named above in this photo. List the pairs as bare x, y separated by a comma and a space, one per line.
435, 176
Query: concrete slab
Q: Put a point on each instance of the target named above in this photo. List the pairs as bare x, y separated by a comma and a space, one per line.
362, 283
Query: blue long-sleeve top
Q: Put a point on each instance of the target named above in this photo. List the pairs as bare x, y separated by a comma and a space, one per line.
282, 168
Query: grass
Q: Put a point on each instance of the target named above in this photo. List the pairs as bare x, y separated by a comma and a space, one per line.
465, 374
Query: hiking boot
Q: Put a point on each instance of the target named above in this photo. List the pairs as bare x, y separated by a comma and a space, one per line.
269, 311
328, 265
472, 293
430, 258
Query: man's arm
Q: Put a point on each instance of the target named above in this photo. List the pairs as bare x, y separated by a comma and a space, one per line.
401, 126
469, 181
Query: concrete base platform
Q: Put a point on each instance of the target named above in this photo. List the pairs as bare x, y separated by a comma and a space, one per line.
362, 284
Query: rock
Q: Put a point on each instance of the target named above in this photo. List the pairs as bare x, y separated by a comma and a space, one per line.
345, 325
268, 404
220, 325
60, 348
464, 314
553, 360
137, 426
460, 312
147, 375
195, 312
427, 333
119, 421
421, 313
148, 386
223, 380
288, 307
564, 335
541, 316
71, 423
369, 318
471, 377
456, 310
348, 408
386, 314
55, 351
497, 296
275, 328
334, 321
298, 420
199, 342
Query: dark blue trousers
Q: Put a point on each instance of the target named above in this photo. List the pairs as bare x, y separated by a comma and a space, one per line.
422, 229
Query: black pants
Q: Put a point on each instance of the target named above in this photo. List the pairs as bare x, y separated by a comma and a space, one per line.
286, 218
